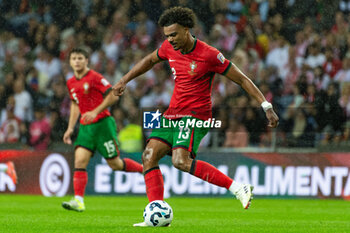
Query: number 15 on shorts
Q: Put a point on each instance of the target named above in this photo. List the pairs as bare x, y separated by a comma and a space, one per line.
110, 147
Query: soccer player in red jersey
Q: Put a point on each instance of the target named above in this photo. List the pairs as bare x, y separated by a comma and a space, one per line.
193, 64
91, 95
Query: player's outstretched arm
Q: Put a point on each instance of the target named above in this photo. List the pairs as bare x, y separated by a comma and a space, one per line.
241, 79
140, 68
73, 117
109, 100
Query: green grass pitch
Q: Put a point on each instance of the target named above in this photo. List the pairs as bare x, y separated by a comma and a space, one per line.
19, 213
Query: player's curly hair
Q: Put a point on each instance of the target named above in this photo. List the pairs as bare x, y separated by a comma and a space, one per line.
180, 15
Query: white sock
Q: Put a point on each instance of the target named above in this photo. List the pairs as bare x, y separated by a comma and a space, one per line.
80, 198
3, 167
235, 186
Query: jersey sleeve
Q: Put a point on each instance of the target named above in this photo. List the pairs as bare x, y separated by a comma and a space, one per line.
218, 63
69, 92
162, 51
102, 85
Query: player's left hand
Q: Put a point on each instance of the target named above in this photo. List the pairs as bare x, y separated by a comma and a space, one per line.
88, 117
119, 88
272, 117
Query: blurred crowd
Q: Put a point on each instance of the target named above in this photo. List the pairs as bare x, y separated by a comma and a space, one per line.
296, 51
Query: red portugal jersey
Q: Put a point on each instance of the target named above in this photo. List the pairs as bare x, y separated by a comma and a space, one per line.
193, 73
88, 93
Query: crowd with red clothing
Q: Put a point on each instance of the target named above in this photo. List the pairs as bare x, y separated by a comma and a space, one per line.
296, 52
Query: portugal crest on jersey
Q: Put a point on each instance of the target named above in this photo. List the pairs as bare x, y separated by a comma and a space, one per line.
193, 66
86, 88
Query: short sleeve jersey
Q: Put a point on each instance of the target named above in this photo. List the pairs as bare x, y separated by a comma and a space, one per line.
193, 73
88, 93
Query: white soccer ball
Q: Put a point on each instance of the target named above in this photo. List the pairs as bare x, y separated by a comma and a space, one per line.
158, 214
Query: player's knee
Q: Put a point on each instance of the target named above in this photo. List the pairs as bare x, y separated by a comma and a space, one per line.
116, 164
147, 156
181, 163
80, 163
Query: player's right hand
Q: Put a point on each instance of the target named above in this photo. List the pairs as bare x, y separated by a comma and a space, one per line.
118, 89
66, 136
272, 118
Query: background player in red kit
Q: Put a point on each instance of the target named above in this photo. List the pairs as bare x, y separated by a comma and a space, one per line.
90, 94
193, 64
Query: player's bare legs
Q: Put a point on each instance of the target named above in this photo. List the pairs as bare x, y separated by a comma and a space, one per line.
116, 163
181, 160
155, 150
80, 178
126, 164
82, 158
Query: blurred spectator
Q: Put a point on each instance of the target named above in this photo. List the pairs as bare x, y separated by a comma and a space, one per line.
64, 12
119, 117
234, 10
240, 59
346, 134
344, 6
315, 57
329, 112
157, 97
24, 103
111, 73
130, 137
93, 33
343, 75
327, 136
52, 40
110, 48
310, 95
58, 125
222, 35
340, 22
10, 130
99, 61
278, 57
301, 44
300, 128
48, 65
292, 72
255, 125
344, 100
3, 97
252, 43
255, 65
321, 79
236, 135
332, 64
39, 130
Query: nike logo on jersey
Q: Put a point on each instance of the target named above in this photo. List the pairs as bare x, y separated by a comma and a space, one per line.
180, 141
171, 60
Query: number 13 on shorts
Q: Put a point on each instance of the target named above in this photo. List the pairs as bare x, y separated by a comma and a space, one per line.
184, 133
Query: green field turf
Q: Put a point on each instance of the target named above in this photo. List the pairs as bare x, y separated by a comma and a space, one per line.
117, 214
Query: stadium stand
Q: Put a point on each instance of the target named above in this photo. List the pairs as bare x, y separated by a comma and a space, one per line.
296, 51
